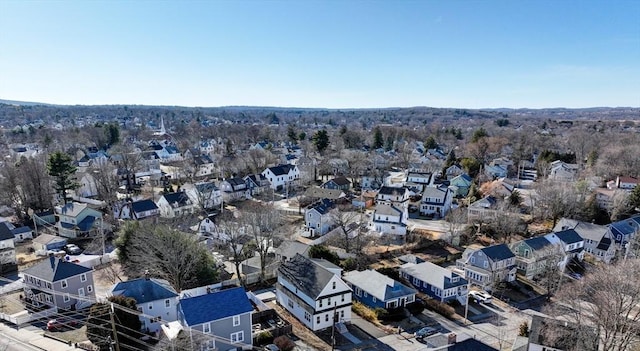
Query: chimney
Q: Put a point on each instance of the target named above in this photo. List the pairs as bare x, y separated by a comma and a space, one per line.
146, 274
452, 338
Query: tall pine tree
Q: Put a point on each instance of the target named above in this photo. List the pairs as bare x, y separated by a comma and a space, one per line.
61, 167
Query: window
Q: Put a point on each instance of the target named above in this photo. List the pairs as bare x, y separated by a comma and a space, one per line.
358, 292
206, 328
89, 288
342, 297
167, 303
317, 319
307, 316
290, 303
64, 284
66, 298
374, 299
334, 285
81, 292
236, 321
486, 264
83, 277
320, 303
342, 314
326, 317
150, 306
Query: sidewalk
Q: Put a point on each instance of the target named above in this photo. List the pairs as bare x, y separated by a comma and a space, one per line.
34, 339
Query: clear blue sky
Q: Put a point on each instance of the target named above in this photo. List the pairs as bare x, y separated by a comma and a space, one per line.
336, 54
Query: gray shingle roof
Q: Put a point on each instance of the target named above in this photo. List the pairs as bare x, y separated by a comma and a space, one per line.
433, 274
307, 276
378, 285
53, 269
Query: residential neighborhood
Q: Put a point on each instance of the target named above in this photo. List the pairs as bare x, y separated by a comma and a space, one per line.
220, 242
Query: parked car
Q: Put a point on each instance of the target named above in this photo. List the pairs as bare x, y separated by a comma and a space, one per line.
271, 347
61, 323
413, 208
480, 296
72, 249
425, 332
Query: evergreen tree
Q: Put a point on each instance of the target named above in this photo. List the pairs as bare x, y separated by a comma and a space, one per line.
61, 167
321, 140
634, 199
378, 140
430, 143
291, 133
479, 134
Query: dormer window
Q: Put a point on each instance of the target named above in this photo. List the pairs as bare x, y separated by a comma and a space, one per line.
334, 285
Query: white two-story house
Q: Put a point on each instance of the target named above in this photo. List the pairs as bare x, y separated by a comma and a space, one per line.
312, 291
436, 201
389, 220
281, 175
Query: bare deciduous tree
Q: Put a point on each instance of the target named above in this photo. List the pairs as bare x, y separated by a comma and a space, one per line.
603, 307
264, 224
165, 253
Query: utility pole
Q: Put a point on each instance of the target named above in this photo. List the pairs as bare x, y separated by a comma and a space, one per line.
113, 328
466, 307
333, 327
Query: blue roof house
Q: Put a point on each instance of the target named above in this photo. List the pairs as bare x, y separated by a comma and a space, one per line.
439, 283
155, 298
225, 315
485, 266
375, 289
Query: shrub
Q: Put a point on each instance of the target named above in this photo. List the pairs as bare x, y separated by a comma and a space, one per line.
454, 303
364, 312
264, 337
415, 307
392, 315
284, 343
524, 329
439, 307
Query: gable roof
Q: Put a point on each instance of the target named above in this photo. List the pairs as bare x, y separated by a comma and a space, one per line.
389, 190
215, 306
71, 209
569, 236
323, 206
498, 252
289, 248
378, 285
382, 209
179, 197
340, 181
308, 277
321, 193
54, 269
143, 205
537, 243
281, 169
586, 230
145, 290
5, 232
433, 274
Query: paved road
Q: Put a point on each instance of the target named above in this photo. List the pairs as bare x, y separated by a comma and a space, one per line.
28, 339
